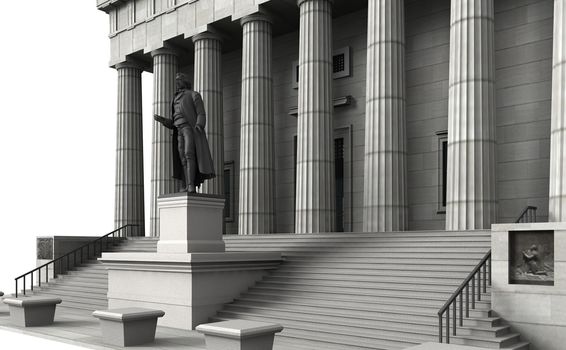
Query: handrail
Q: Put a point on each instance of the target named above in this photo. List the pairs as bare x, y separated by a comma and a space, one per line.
485, 266
529, 214
117, 232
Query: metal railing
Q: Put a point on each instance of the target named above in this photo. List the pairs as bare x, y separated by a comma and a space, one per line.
76, 257
529, 214
482, 274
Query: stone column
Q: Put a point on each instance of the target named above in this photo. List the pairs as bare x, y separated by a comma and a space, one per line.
471, 198
256, 211
557, 195
385, 164
315, 202
208, 82
164, 70
129, 198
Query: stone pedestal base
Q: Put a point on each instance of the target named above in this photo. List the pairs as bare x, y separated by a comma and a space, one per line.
32, 311
189, 287
239, 335
128, 327
190, 223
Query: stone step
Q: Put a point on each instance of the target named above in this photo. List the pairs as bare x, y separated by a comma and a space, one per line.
347, 302
326, 314
93, 295
326, 265
350, 287
346, 299
365, 280
414, 293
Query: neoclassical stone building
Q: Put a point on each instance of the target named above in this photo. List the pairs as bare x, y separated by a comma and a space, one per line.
351, 115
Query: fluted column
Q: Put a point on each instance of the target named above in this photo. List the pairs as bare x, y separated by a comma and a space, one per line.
557, 195
164, 69
208, 82
385, 164
256, 210
471, 198
315, 202
129, 196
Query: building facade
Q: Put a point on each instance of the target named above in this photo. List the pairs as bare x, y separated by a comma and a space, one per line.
359, 115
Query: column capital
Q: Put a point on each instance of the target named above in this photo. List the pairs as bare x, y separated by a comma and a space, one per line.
299, 2
206, 35
129, 64
258, 16
165, 51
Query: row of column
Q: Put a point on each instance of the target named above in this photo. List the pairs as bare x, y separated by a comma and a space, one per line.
471, 198
471, 195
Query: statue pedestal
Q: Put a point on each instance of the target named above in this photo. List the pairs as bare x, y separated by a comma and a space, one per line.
190, 223
190, 277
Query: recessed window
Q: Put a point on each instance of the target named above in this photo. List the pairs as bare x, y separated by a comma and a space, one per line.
442, 170
340, 66
229, 191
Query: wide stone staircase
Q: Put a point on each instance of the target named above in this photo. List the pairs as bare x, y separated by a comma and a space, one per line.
339, 290
368, 291
85, 288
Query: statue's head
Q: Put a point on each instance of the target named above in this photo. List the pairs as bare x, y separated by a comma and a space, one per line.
182, 81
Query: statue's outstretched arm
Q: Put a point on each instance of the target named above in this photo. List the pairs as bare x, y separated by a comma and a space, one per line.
168, 123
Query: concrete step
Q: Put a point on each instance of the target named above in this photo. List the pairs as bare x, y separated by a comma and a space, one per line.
303, 290
94, 294
347, 302
326, 314
349, 288
343, 299
367, 279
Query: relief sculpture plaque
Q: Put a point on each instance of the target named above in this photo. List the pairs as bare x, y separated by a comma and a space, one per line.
531, 257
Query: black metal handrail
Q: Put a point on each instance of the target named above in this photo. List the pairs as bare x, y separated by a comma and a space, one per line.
65, 260
483, 266
529, 214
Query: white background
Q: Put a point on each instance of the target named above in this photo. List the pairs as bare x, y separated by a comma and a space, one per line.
57, 131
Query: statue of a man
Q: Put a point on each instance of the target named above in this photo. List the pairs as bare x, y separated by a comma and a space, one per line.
192, 162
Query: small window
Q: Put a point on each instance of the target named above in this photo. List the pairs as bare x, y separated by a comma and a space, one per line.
340, 66
229, 191
442, 170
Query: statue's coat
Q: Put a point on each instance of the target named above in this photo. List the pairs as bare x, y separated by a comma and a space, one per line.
192, 109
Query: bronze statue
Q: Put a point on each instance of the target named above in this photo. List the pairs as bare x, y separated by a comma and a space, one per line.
192, 162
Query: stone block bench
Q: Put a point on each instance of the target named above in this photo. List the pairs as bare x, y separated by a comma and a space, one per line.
239, 335
128, 326
32, 311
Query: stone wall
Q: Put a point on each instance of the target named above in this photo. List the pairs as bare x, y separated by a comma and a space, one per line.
523, 44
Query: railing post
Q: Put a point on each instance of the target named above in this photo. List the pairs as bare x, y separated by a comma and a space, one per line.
474, 292
467, 301
484, 267
454, 317
24, 285
16, 287
461, 309
479, 284
39, 277
448, 325
439, 328
31, 279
